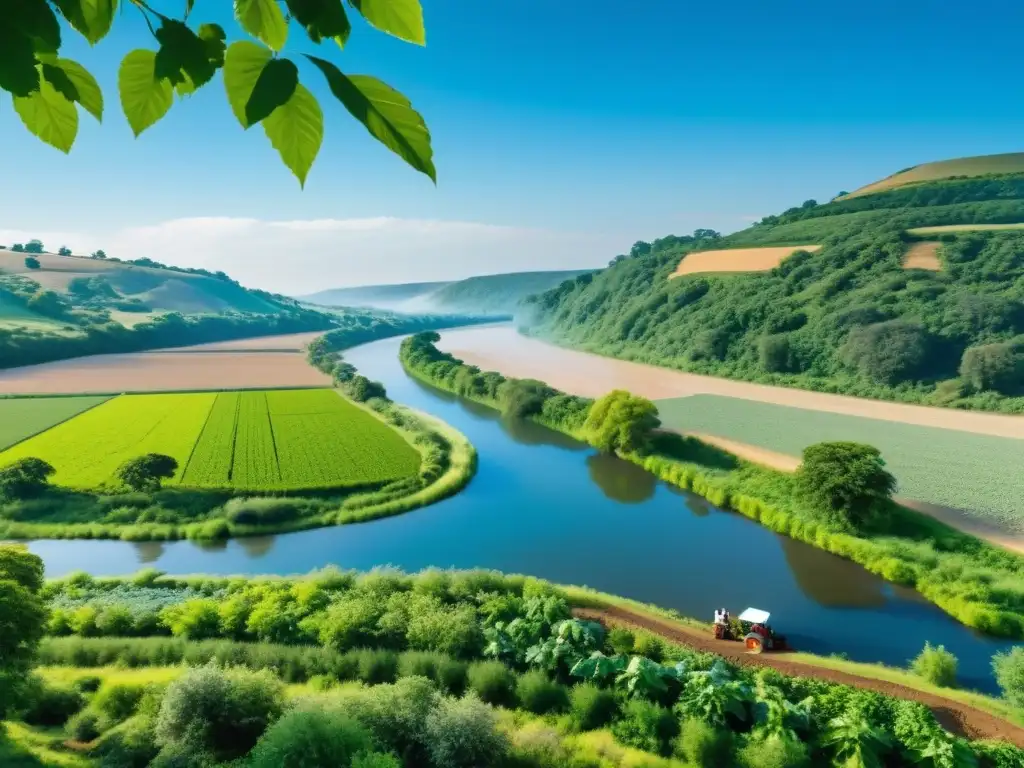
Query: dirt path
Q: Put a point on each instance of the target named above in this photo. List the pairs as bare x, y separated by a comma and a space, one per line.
956, 717
501, 348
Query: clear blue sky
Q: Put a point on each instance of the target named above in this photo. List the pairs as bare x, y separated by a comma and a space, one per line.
623, 120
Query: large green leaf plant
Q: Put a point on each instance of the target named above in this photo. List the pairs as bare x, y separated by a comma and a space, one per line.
262, 85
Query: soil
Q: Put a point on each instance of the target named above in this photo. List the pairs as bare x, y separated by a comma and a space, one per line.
738, 259
956, 717
923, 256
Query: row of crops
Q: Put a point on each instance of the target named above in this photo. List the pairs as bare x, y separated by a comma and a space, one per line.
252, 441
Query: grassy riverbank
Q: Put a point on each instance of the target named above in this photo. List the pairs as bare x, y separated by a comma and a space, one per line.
978, 584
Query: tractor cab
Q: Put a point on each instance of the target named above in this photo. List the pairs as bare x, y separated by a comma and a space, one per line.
757, 633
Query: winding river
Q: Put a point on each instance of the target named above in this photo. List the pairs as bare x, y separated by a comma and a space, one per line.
546, 505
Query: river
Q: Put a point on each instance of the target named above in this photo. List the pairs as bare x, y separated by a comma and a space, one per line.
546, 505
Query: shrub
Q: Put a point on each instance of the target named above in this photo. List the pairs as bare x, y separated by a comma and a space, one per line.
224, 712
452, 676
775, 354
50, 705
375, 760
539, 746
132, 745
85, 726
321, 682
419, 663
1009, 669
264, 510
377, 666
197, 619
646, 644
936, 665
888, 352
621, 640
395, 715
540, 695
310, 739
87, 684
463, 733
115, 620
591, 707
998, 754
646, 726
774, 753
998, 367
493, 682
703, 744
844, 478
117, 701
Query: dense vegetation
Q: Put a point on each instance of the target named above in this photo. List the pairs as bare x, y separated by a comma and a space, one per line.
437, 670
848, 318
978, 584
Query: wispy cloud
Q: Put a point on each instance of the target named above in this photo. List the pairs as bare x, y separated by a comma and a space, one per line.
303, 256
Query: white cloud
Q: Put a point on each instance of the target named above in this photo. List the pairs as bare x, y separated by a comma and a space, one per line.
305, 256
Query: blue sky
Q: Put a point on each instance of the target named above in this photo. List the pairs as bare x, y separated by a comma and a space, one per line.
563, 131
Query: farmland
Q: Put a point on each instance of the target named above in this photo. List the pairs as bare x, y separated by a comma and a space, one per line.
24, 417
940, 466
252, 441
962, 166
947, 228
923, 255
738, 259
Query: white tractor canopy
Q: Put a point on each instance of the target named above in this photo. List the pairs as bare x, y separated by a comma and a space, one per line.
755, 616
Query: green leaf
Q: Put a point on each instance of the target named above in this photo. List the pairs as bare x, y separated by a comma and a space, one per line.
263, 20
92, 18
184, 56
18, 72
49, 115
401, 18
35, 20
296, 130
274, 87
145, 98
322, 19
243, 64
83, 86
387, 115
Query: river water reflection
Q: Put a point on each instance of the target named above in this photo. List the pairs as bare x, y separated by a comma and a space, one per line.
544, 504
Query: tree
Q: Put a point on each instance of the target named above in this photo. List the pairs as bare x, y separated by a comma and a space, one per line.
25, 478
144, 473
32, 262
34, 246
706, 234
846, 479
18, 248
261, 86
621, 421
22, 620
1009, 670
99, 254
49, 303
63, 251
999, 367
889, 352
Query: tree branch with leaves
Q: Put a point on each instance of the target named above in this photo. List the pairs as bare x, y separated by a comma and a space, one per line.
262, 86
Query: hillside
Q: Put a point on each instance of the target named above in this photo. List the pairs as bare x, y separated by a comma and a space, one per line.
945, 327
983, 165
485, 294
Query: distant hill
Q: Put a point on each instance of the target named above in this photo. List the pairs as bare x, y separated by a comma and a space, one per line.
849, 296
486, 294
982, 165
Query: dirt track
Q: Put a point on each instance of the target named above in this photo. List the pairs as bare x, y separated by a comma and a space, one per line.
954, 716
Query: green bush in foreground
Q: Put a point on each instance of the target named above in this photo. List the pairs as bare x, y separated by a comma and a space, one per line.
311, 739
50, 705
493, 682
936, 665
703, 745
540, 695
1009, 669
591, 707
647, 726
463, 733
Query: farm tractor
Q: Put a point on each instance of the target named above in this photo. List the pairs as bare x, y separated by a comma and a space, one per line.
753, 629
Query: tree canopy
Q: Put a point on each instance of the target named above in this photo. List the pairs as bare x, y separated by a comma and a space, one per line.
24, 478
262, 86
621, 421
844, 479
22, 617
144, 473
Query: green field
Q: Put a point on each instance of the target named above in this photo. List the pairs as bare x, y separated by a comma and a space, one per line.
962, 228
22, 417
941, 466
278, 440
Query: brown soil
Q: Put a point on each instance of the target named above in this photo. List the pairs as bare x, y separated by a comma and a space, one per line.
738, 259
954, 716
292, 342
923, 256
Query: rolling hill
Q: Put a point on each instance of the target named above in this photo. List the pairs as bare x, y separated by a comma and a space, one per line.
486, 294
963, 167
882, 309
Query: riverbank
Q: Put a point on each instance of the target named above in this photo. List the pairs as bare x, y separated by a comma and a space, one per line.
954, 571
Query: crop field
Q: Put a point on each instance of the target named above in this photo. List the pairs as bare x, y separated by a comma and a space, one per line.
738, 259
962, 166
21, 418
251, 441
923, 255
962, 228
976, 473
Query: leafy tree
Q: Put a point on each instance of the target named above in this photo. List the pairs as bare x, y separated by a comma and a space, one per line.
463, 733
998, 367
144, 473
936, 665
25, 478
621, 421
34, 246
98, 254
310, 738
22, 620
49, 303
63, 251
775, 353
18, 248
261, 85
1009, 669
32, 262
845, 479
888, 352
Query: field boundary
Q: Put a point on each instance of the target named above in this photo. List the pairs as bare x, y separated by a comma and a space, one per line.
106, 399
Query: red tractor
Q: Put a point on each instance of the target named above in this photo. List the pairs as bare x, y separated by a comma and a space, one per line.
753, 630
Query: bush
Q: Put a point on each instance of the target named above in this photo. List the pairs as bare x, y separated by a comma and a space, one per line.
888, 352
85, 726
540, 746
115, 620
419, 663
395, 715
224, 712
452, 676
999, 367
844, 478
493, 682
376, 666
50, 705
774, 753
540, 695
132, 745
264, 510
463, 733
774, 353
591, 707
87, 684
1009, 669
998, 754
310, 739
703, 744
646, 726
621, 640
646, 644
117, 701
375, 760
936, 665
